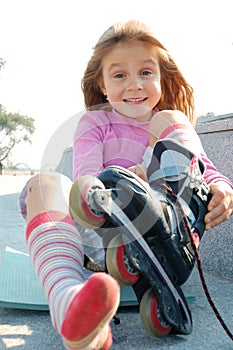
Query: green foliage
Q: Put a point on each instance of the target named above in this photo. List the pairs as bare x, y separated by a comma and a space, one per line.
14, 129
2, 62
209, 114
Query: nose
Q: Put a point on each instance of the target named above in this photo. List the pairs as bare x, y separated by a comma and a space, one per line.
134, 84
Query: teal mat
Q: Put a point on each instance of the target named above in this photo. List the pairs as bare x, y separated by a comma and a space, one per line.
20, 289
19, 286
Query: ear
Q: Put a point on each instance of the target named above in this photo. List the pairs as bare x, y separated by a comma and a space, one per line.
104, 91
101, 85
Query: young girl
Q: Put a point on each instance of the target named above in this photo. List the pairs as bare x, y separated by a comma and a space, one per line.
136, 95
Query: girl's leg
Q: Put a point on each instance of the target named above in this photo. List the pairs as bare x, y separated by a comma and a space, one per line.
80, 311
174, 125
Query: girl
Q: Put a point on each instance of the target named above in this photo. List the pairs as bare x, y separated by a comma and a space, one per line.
136, 95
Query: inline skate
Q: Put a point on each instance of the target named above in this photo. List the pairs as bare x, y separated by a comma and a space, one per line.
149, 230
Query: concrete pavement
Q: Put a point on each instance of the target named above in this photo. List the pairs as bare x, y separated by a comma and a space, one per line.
30, 330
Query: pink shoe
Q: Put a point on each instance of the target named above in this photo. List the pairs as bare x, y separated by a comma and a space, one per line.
86, 324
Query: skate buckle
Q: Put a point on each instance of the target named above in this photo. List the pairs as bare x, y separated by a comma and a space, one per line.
198, 184
196, 179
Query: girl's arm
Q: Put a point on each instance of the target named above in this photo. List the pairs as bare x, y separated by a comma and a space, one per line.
212, 174
221, 204
88, 147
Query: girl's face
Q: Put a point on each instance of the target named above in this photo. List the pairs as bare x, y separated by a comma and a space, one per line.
131, 79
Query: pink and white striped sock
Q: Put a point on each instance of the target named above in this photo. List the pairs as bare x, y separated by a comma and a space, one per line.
56, 252
185, 134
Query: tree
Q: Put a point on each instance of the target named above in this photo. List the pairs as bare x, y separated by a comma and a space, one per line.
14, 129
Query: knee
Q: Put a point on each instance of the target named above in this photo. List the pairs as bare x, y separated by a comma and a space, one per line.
48, 182
46, 192
162, 121
168, 117
42, 180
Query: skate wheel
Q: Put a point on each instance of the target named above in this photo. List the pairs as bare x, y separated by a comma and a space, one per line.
118, 265
80, 196
150, 316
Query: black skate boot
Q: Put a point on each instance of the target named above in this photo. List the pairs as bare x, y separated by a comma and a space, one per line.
177, 174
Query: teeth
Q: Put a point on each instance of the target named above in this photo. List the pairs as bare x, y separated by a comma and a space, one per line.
135, 99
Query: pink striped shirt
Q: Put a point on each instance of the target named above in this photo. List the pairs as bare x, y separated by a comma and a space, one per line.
108, 138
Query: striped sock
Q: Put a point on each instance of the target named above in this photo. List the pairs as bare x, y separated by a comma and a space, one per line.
80, 311
185, 134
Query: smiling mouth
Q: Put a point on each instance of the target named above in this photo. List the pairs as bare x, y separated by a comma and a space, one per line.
136, 100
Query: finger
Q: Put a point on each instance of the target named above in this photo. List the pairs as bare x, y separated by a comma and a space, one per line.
217, 198
217, 216
141, 172
132, 169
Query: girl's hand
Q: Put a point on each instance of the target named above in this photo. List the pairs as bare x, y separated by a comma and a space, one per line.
140, 171
220, 206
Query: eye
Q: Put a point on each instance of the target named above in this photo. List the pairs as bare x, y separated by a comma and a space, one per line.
119, 75
146, 72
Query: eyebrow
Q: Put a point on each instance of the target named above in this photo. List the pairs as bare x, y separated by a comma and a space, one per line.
147, 61
150, 60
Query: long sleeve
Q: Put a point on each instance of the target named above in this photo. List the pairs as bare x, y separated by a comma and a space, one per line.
107, 139
212, 174
88, 147
187, 135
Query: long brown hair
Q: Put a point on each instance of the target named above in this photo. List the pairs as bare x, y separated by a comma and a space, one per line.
176, 92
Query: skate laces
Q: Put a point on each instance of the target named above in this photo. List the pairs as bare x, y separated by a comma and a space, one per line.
192, 235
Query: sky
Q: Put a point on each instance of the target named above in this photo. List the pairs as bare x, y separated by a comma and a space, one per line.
46, 45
